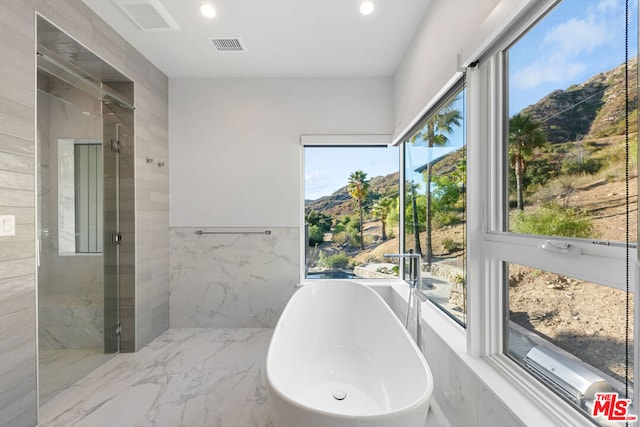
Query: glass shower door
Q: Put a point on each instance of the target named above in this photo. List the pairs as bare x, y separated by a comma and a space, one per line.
77, 292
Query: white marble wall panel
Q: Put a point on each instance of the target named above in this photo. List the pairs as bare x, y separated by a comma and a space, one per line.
231, 280
462, 397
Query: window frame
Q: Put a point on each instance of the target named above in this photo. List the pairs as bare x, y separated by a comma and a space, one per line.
595, 262
481, 345
457, 86
346, 141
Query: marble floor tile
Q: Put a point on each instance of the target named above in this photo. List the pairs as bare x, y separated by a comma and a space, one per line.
184, 378
60, 368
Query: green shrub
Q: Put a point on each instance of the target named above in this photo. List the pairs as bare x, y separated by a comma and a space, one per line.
539, 171
459, 279
316, 235
318, 219
341, 238
353, 237
339, 260
353, 226
342, 222
553, 220
442, 218
588, 166
368, 239
451, 245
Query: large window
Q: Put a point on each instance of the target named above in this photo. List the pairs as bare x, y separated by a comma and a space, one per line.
566, 124
435, 202
351, 210
567, 211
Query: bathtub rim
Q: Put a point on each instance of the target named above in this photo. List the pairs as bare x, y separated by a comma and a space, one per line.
425, 397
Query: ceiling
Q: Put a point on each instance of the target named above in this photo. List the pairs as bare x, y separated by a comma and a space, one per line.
283, 38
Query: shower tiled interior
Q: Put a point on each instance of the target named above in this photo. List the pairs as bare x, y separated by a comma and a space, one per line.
185, 377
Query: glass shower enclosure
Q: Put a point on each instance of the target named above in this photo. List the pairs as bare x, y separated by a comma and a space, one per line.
78, 222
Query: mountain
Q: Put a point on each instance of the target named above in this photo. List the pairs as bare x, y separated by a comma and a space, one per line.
593, 109
341, 203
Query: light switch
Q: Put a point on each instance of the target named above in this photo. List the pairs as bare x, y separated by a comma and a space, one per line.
7, 225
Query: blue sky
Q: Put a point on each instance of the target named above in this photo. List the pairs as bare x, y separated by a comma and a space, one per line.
328, 168
576, 40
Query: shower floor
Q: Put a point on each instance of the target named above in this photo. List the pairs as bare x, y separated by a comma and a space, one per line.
61, 368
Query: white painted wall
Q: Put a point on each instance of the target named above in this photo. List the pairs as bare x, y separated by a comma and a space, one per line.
235, 143
449, 28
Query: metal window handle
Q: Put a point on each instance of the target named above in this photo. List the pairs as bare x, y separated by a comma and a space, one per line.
559, 246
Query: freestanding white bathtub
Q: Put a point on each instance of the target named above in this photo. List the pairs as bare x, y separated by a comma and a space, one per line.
339, 357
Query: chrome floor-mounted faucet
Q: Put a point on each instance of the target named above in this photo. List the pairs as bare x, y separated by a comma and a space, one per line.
415, 290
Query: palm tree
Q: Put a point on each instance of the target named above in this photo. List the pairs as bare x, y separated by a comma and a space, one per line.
439, 126
381, 210
358, 188
524, 136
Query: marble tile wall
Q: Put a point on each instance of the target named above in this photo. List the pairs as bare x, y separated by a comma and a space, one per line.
457, 387
232, 280
462, 397
17, 197
152, 207
146, 286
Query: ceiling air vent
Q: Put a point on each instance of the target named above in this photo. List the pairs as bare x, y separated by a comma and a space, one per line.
227, 44
148, 15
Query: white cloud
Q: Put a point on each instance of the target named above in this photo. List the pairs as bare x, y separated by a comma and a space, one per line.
576, 36
554, 69
609, 6
566, 47
317, 183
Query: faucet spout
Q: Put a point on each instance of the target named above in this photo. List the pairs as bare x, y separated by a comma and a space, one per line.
414, 267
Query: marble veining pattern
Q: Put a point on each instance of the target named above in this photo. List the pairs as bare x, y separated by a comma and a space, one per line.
60, 368
231, 280
70, 321
185, 377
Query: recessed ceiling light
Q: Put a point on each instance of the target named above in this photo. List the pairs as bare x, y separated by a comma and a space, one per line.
366, 8
207, 10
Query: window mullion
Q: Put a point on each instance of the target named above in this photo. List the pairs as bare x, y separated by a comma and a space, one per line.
479, 289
